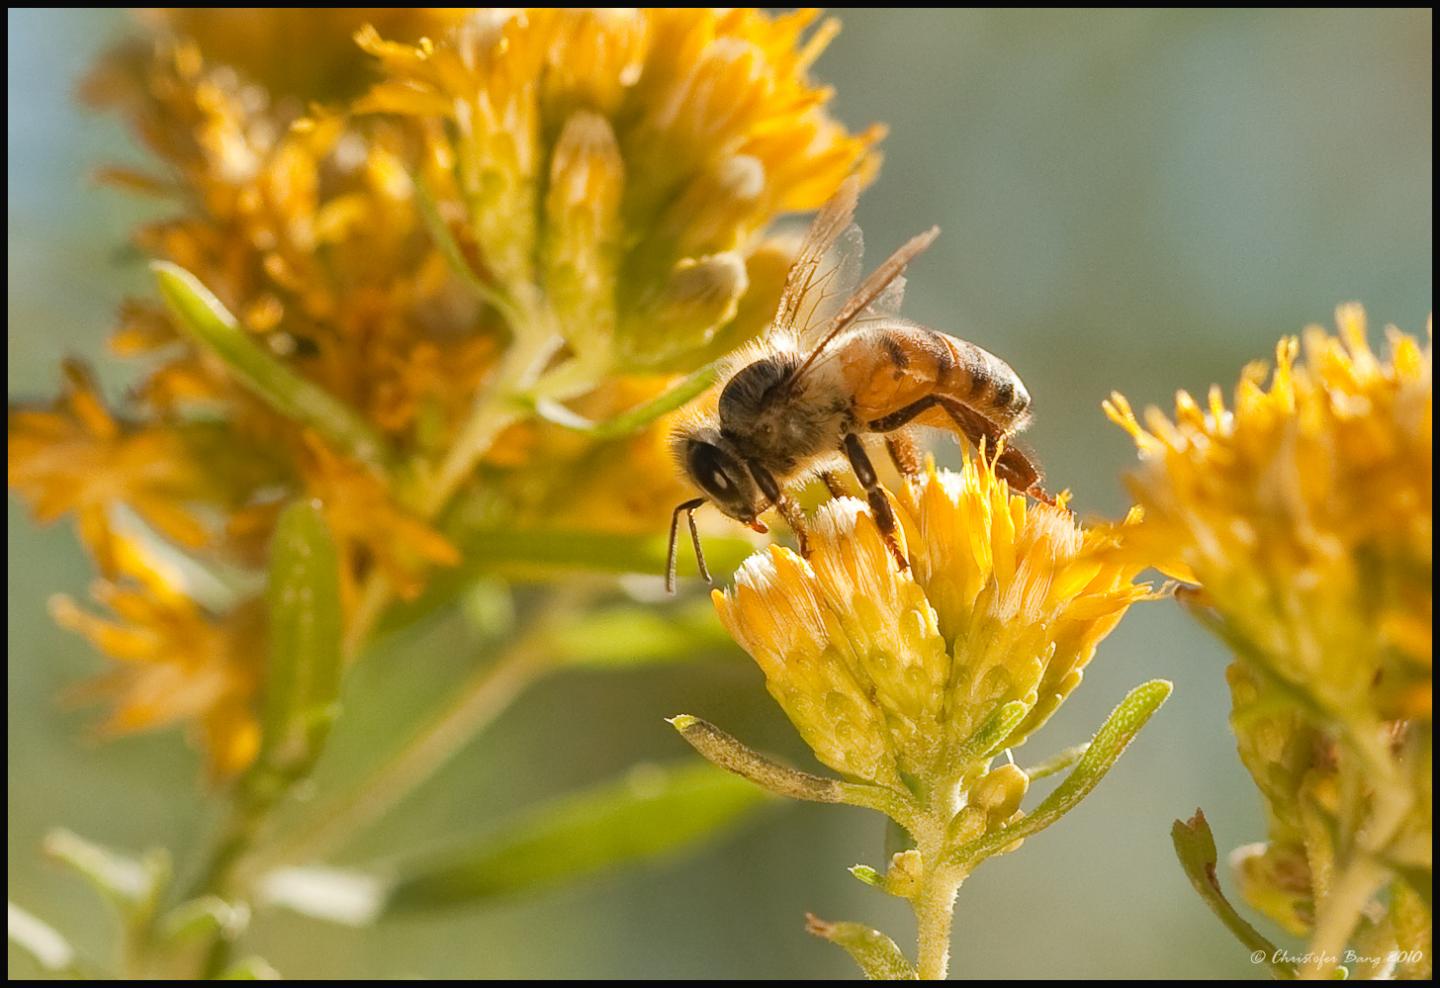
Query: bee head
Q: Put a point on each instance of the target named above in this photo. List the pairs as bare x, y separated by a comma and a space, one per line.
713, 465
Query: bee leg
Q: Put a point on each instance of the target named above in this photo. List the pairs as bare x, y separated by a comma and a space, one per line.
904, 453
782, 503
835, 485
1012, 465
875, 494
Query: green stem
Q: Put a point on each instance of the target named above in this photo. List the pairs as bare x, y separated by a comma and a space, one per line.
1363, 874
934, 898
934, 905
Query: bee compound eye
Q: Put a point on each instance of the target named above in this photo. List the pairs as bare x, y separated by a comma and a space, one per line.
708, 467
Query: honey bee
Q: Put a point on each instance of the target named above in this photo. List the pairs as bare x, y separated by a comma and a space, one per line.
836, 365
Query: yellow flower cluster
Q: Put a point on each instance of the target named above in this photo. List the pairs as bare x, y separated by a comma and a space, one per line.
622, 162
175, 662
417, 229
889, 675
1304, 512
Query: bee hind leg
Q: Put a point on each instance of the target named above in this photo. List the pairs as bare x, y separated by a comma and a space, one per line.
875, 494
904, 453
1013, 465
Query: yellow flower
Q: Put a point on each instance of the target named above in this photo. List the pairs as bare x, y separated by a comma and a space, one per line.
534, 205
308, 229
621, 162
887, 674
305, 52
175, 662
77, 457
367, 525
1305, 513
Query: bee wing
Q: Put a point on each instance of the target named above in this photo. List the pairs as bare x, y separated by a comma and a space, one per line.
884, 287
825, 271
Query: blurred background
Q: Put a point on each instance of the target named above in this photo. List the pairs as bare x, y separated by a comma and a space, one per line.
1134, 200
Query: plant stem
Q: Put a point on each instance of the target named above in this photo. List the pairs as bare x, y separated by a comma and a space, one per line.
934, 899
934, 905
1363, 874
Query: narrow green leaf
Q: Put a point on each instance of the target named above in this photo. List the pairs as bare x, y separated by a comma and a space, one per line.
302, 682
350, 898
1195, 847
877, 955
208, 916
634, 419
621, 637
133, 885
991, 735
654, 812
41, 941
206, 320
868, 875
1114, 736
541, 552
1058, 762
251, 969
523, 555
734, 756
450, 249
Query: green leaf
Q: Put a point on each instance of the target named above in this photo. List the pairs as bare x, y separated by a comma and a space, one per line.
654, 812
1195, 847
734, 756
250, 969
208, 916
542, 551
134, 886
449, 248
991, 735
1058, 762
1114, 736
634, 419
877, 955
540, 554
41, 941
868, 875
211, 326
302, 683
620, 637
350, 898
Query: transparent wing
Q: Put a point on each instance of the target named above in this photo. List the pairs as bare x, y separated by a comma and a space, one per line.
882, 289
825, 271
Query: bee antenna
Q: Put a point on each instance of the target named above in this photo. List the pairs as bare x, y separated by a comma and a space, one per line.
670, 561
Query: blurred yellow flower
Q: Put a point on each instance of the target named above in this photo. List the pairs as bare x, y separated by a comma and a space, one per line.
304, 52
620, 161
77, 457
1306, 514
888, 675
176, 663
413, 233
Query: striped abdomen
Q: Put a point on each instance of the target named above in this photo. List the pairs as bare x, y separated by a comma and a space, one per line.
890, 367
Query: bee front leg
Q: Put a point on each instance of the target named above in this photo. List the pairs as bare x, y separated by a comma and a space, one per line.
782, 503
875, 494
834, 484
